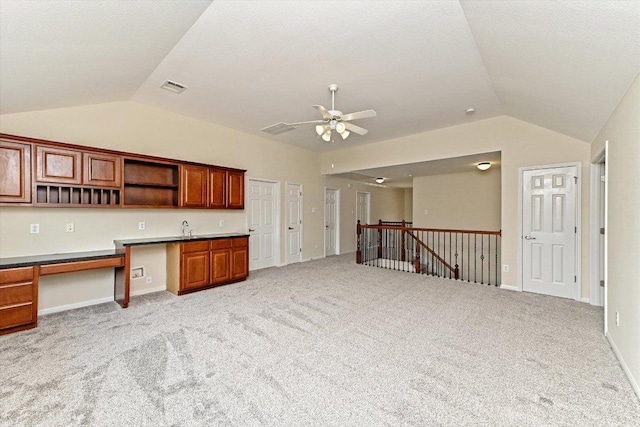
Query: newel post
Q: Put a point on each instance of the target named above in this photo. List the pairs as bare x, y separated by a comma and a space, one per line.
417, 262
403, 253
380, 239
456, 272
359, 246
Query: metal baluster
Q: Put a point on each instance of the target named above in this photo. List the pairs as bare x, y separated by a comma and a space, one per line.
489, 260
475, 258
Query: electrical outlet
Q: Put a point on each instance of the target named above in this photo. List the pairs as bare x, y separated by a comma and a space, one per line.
34, 228
617, 318
149, 280
142, 225
222, 223
505, 268
70, 228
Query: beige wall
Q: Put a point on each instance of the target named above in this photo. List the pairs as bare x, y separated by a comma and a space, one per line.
386, 203
133, 127
468, 201
622, 130
520, 143
408, 204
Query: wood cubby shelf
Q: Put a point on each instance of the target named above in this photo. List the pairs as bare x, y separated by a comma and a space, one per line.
59, 195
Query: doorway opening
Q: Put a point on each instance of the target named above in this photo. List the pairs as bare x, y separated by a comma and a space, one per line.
331, 221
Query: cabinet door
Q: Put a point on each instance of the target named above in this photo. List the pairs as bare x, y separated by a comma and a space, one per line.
220, 265
15, 172
102, 170
235, 190
193, 186
58, 165
217, 188
239, 263
195, 270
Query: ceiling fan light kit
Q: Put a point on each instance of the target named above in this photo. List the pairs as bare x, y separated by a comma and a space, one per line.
331, 120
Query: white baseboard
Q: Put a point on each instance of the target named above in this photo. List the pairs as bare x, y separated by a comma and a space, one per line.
313, 258
509, 287
625, 368
75, 305
148, 291
584, 299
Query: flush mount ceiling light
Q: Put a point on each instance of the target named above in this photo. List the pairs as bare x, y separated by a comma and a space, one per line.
483, 166
379, 180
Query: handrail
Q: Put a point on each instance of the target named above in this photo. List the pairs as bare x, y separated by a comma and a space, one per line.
454, 270
449, 230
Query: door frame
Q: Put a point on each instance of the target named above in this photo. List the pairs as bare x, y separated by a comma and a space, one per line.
595, 254
277, 215
301, 213
337, 190
577, 286
368, 205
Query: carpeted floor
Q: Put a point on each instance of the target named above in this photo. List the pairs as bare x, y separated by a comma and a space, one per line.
323, 343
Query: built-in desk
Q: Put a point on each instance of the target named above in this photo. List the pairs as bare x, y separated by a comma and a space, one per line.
19, 281
193, 263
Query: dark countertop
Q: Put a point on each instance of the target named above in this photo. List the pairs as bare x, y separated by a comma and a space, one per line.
27, 261
175, 239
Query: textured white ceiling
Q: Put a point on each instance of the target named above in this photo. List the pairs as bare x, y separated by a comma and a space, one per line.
559, 64
56, 53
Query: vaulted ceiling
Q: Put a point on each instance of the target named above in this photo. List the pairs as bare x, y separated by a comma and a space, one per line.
563, 65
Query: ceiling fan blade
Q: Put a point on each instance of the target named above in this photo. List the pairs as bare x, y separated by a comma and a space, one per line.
356, 129
359, 115
308, 122
325, 113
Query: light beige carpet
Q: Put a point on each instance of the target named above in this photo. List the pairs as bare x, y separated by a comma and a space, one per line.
323, 343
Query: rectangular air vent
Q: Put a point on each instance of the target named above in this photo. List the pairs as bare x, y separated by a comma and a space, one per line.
173, 87
278, 128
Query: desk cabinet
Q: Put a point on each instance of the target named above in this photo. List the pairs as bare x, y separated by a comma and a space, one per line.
193, 266
213, 188
18, 299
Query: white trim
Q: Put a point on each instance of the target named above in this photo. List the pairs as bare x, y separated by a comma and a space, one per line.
301, 214
606, 241
148, 291
594, 232
625, 368
585, 300
312, 258
510, 288
578, 243
277, 240
337, 190
66, 307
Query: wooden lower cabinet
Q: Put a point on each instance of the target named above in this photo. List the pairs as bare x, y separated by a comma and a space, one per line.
204, 264
18, 299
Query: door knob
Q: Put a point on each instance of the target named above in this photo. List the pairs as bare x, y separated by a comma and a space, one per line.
528, 237
290, 228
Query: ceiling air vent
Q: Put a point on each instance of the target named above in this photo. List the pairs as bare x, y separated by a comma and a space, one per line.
173, 87
278, 128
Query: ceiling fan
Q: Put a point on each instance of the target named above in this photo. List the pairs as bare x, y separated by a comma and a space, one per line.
332, 120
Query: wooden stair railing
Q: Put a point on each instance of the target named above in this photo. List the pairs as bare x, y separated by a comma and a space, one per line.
469, 255
455, 270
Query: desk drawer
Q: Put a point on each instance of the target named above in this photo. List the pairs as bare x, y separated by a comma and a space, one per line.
16, 293
220, 243
241, 242
16, 315
16, 275
199, 246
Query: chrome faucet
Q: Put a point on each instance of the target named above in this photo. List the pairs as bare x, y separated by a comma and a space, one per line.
184, 225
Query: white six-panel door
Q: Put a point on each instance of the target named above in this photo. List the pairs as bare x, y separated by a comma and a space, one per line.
262, 224
331, 221
294, 222
549, 231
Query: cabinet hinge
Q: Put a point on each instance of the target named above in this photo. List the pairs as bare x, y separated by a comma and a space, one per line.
603, 178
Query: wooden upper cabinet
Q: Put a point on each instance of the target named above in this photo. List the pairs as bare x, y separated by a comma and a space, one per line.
58, 165
235, 190
15, 172
217, 188
102, 170
193, 186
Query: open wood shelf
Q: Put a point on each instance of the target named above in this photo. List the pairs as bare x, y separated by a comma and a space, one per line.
56, 195
148, 183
